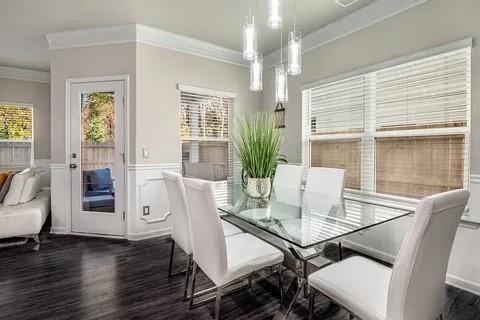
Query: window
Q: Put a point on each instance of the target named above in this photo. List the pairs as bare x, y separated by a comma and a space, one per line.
16, 135
403, 130
205, 117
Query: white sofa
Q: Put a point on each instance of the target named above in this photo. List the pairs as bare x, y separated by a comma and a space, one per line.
25, 220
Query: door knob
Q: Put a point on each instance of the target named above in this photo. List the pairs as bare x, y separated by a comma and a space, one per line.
73, 166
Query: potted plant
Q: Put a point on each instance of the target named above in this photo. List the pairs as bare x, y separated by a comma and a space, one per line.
257, 143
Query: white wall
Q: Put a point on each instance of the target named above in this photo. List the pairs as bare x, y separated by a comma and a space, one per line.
431, 24
153, 116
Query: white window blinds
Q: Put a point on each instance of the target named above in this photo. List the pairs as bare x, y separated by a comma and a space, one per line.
338, 107
16, 136
204, 117
429, 93
402, 130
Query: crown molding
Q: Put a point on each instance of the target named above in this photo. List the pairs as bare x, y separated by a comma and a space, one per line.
24, 74
164, 39
376, 12
137, 33
92, 37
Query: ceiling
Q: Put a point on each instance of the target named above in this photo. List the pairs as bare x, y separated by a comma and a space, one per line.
24, 23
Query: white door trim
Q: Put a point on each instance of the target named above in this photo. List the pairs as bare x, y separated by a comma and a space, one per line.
68, 84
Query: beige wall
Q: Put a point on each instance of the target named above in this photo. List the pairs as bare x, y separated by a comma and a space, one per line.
431, 24
97, 61
158, 73
37, 94
154, 100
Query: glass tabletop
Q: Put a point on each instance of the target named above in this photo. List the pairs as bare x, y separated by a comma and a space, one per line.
306, 219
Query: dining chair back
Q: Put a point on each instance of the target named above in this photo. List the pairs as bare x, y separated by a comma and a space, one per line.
326, 181
417, 284
208, 240
288, 176
178, 210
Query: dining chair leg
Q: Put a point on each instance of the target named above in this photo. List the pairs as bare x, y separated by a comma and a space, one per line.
280, 282
187, 277
441, 316
351, 317
192, 287
217, 303
311, 305
340, 251
170, 263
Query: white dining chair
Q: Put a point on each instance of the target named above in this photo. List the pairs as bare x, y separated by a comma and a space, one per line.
326, 181
288, 176
415, 288
181, 230
329, 182
225, 260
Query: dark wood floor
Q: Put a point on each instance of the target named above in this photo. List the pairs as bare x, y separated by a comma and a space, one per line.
86, 278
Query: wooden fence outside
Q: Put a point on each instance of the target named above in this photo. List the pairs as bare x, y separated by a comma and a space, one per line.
98, 156
15, 154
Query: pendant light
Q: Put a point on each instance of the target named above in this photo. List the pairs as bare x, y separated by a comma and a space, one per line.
294, 47
249, 38
281, 75
281, 84
274, 20
256, 70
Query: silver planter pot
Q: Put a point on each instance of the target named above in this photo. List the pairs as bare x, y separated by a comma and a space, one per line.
259, 187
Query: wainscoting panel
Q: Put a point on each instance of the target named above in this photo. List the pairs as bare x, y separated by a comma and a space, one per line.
60, 193
147, 188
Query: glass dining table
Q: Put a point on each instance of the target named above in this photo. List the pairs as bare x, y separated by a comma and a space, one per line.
301, 223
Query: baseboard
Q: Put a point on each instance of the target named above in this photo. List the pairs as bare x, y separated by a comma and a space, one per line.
463, 284
454, 281
149, 234
58, 230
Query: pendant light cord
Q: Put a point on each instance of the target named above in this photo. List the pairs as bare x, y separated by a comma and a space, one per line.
281, 44
294, 15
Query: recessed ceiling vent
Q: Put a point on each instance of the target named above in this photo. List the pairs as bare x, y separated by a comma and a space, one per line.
345, 3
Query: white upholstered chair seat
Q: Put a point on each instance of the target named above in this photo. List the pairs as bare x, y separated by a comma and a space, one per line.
229, 229
246, 254
360, 284
223, 259
415, 288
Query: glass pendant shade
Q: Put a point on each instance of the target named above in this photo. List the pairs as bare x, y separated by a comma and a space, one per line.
274, 20
281, 88
294, 53
256, 73
249, 39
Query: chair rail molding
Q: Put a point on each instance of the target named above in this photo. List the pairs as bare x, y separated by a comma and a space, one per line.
475, 178
146, 187
24, 74
138, 33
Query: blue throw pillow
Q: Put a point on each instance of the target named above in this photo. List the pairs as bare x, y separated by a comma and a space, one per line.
100, 179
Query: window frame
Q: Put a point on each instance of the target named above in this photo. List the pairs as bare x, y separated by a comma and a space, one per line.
25, 105
370, 134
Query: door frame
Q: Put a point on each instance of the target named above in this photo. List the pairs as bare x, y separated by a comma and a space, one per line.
68, 83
